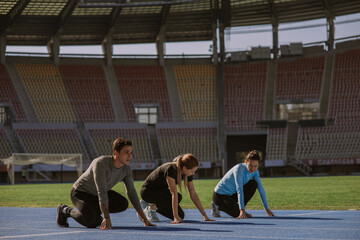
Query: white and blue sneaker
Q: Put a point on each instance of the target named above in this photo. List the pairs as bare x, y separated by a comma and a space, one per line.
150, 214
215, 212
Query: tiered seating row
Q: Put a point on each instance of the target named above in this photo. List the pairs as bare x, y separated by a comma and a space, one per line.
345, 98
197, 90
8, 95
328, 143
143, 85
47, 93
276, 144
343, 139
50, 140
199, 141
88, 91
5, 147
103, 140
244, 95
299, 79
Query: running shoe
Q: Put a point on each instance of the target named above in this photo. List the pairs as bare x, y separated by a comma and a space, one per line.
215, 212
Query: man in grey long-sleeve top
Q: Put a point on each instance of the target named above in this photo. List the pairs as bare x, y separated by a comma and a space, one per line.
91, 194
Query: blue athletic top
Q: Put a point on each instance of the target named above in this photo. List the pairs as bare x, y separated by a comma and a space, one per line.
235, 179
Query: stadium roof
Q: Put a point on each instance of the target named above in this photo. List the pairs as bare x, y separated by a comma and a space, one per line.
81, 22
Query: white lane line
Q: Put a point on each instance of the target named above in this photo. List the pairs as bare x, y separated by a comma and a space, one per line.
313, 213
220, 236
170, 234
39, 234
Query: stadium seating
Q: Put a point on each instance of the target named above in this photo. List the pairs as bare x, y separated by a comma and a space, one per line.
197, 90
196, 139
341, 140
50, 139
276, 144
8, 95
88, 92
299, 79
5, 147
143, 85
72, 93
244, 95
47, 93
103, 137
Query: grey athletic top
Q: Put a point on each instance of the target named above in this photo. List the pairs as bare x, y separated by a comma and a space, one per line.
101, 176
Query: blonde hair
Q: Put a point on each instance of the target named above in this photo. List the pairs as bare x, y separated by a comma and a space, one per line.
188, 161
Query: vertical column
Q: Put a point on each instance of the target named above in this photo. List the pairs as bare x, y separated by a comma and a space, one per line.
221, 129
275, 26
222, 42
2, 49
54, 48
160, 45
108, 48
331, 33
215, 49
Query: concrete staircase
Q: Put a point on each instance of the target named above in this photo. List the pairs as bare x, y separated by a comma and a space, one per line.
155, 148
293, 131
114, 94
21, 93
173, 94
13, 139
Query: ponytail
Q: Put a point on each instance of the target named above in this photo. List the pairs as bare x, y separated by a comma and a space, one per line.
188, 161
178, 165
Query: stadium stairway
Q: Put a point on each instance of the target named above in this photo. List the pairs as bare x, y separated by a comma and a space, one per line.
325, 93
115, 97
14, 141
293, 129
154, 143
88, 145
174, 98
270, 89
21, 93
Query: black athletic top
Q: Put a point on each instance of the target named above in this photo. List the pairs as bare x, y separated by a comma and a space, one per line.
157, 179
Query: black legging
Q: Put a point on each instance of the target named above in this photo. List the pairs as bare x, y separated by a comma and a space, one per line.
163, 200
88, 211
229, 204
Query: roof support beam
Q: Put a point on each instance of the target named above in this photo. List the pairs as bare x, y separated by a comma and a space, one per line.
330, 24
275, 28
2, 49
107, 47
215, 55
53, 47
53, 44
107, 43
224, 17
66, 13
161, 36
12, 14
215, 19
10, 18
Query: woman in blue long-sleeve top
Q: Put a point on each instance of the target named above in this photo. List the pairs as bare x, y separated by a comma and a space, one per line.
237, 187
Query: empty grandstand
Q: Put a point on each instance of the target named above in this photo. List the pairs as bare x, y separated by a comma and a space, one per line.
298, 105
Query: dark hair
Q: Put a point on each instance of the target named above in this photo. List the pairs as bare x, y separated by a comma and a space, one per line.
120, 142
188, 161
253, 155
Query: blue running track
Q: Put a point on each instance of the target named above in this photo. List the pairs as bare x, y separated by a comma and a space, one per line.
39, 223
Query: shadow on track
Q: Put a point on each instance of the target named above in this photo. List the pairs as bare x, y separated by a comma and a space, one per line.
297, 218
166, 229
